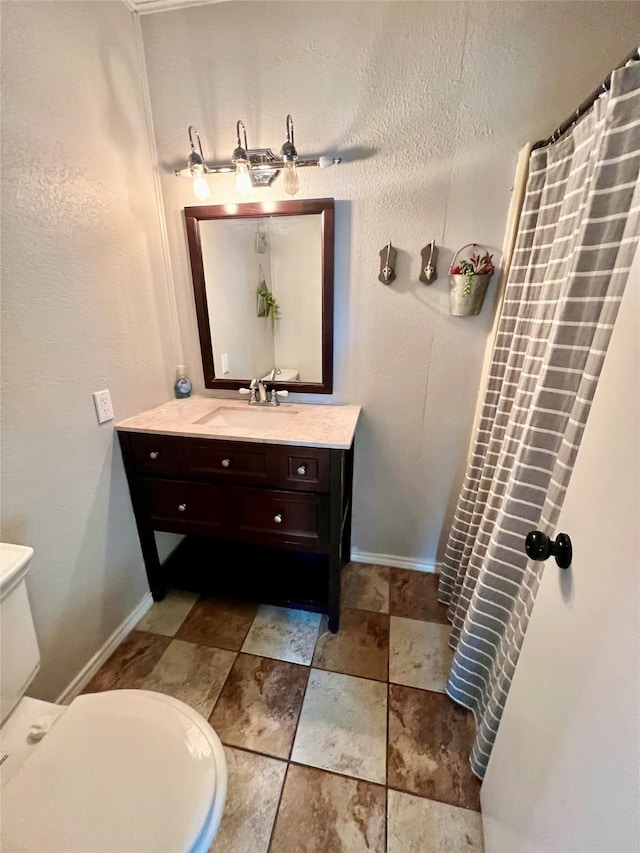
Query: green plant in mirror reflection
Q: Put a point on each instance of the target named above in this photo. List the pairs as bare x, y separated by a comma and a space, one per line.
267, 304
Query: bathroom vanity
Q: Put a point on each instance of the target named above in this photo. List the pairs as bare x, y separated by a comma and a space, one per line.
263, 496
261, 493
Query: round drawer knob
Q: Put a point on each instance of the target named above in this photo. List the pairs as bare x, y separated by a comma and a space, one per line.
154, 454
225, 463
278, 518
302, 470
182, 507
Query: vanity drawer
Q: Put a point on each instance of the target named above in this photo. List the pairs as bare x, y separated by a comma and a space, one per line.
154, 454
231, 461
187, 507
266, 515
304, 468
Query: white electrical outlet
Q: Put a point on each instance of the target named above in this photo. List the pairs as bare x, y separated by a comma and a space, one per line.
225, 363
104, 406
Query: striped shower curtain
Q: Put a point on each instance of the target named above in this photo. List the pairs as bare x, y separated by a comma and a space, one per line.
577, 236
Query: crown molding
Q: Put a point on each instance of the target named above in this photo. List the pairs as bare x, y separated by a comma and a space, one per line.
146, 7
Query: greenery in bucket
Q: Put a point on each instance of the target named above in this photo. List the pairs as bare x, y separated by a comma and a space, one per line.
476, 265
268, 304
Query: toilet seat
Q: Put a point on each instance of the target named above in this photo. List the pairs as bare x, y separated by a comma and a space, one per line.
120, 771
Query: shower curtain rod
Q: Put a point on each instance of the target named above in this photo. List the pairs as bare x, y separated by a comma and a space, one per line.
586, 105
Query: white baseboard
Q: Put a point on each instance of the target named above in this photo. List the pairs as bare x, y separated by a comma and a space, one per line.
429, 566
92, 666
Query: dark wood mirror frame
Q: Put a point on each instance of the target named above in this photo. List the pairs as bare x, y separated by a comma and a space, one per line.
195, 215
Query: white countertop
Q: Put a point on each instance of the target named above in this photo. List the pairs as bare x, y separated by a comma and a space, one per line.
313, 426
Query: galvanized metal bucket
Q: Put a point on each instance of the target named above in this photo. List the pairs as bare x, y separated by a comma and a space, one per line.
466, 293
466, 298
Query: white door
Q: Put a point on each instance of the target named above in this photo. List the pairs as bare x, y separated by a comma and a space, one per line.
563, 774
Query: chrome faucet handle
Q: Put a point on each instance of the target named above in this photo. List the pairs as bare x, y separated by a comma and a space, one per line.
273, 396
252, 390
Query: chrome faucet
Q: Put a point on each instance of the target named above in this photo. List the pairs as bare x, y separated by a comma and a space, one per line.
259, 395
262, 391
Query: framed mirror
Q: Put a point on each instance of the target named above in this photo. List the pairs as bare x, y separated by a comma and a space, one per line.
263, 285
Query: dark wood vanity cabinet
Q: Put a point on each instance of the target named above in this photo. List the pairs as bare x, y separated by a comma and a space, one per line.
286, 510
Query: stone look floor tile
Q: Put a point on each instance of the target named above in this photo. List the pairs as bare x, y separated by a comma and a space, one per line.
416, 825
131, 662
430, 740
283, 634
324, 813
259, 706
419, 654
255, 782
166, 616
365, 587
343, 726
192, 673
415, 595
361, 646
218, 622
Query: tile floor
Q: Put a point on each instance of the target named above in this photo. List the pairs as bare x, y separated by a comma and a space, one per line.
334, 743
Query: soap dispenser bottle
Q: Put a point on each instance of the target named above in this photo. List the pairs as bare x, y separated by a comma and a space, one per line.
182, 387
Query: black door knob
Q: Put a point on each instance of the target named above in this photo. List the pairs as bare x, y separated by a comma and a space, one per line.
539, 547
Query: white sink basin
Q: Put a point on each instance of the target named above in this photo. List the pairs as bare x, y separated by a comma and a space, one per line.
249, 418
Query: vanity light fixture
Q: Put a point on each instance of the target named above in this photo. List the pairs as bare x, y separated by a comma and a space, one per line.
253, 167
290, 156
240, 159
197, 169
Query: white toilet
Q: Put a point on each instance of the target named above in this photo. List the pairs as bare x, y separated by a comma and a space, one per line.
124, 770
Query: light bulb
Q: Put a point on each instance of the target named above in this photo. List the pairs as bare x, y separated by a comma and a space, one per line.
200, 185
291, 180
243, 180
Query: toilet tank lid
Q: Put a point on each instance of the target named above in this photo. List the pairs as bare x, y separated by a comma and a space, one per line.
121, 770
14, 560
285, 374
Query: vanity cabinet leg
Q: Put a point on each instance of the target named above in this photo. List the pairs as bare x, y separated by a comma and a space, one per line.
335, 539
346, 540
334, 595
155, 574
348, 499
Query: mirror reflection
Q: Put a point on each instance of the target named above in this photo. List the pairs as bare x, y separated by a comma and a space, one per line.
263, 281
263, 287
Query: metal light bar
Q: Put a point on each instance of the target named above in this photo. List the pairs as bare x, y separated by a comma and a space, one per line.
264, 166
262, 160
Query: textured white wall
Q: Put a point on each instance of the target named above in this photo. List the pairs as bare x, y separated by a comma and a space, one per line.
83, 308
428, 103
